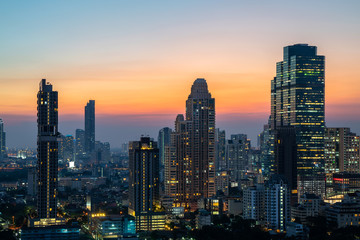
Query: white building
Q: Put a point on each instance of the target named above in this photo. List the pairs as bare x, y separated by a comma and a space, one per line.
253, 202
277, 203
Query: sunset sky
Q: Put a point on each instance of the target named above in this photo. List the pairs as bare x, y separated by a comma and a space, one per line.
138, 59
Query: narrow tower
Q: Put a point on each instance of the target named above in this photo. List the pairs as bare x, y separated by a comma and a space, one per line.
47, 151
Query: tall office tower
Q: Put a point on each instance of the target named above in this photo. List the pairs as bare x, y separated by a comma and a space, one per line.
79, 144
267, 150
286, 157
277, 203
163, 142
220, 158
144, 189
297, 99
195, 147
237, 151
47, 151
90, 127
2, 140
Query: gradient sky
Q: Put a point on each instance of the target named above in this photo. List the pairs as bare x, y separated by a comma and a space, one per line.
138, 59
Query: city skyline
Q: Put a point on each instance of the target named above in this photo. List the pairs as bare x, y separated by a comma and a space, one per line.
231, 55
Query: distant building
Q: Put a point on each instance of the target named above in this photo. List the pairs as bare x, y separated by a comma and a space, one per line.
277, 203
341, 155
163, 141
32, 182
345, 182
343, 214
295, 230
2, 140
144, 189
117, 227
68, 145
220, 142
267, 150
222, 182
309, 206
79, 144
237, 150
203, 219
90, 126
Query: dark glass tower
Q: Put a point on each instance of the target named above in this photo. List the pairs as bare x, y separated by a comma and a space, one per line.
2, 140
144, 189
90, 126
47, 151
297, 99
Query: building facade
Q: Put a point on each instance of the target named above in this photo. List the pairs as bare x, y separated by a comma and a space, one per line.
298, 99
47, 151
90, 126
277, 203
194, 146
237, 152
144, 186
2, 140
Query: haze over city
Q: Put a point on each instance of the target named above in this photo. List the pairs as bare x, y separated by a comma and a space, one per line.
137, 59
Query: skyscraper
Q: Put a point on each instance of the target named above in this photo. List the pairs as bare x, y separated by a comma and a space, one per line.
2, 140
47, 151
79, 144
163, 142
90, 126
267, 150
297, 99
220, 141
144, 189
195, 147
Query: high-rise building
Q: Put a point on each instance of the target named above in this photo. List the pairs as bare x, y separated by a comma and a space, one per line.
277, 203
194, 147
220, 157
297, 99
79, 144
267, 150
341, 154
286, 157
237, 150
170, 173
163, 142
144, 189
69, 153
341, 151
253, 202
90, 127
47, 153
2, 140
